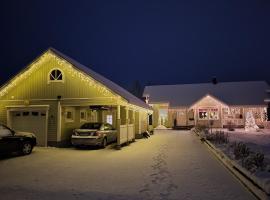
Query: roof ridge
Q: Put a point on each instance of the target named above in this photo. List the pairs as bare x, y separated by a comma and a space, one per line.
100, 78
206, 83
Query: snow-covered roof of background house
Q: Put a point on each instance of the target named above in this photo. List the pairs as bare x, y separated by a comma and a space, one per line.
231, 93
106, 82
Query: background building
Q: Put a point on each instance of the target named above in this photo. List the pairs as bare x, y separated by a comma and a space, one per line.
222, 104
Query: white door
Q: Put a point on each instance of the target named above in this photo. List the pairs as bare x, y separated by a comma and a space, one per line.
33, 121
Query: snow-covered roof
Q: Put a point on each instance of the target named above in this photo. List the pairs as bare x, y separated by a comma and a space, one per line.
106, 82
231, 93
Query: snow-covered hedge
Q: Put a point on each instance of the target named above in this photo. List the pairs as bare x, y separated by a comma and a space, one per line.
238, 155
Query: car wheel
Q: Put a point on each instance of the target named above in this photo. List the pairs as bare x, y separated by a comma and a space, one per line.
27, 148
104, 143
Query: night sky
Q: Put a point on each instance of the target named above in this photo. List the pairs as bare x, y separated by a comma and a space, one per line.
155, 42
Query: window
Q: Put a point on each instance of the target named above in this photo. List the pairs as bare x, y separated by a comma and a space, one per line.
70, 115
91, 126
83, 116
109, 119
213, 114
150, 120
203, 115
208, 114
56, 76
35, 113
25, 113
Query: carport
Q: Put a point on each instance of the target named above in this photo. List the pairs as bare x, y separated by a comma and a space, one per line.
55, 94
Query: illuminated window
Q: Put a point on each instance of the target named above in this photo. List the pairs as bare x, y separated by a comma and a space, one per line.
109, 119
203, 114
213, 114
56, 76
208, 114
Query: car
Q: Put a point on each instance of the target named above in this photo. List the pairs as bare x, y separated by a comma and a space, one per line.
12, 141
94, 134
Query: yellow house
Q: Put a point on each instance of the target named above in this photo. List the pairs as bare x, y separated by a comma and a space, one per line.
55, 94
217, 104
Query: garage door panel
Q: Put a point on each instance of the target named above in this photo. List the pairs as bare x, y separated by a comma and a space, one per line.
31, 121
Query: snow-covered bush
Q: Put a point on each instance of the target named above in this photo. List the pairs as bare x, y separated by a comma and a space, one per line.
219, 137
240, 150
254, 162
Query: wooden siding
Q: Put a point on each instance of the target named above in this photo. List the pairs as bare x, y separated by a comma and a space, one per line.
36, 86
52, 114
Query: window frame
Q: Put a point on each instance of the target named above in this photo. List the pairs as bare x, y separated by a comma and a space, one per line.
72, 111
111, 119
56, 81
208, 112
85, 115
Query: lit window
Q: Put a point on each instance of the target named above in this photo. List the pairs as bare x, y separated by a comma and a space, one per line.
203, 114
213, 114
56, 76
109, 119
208, 114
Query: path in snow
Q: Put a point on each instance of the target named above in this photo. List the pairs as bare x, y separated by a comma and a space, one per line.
171, 165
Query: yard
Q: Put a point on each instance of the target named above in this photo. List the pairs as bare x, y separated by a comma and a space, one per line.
248, 151
169, 165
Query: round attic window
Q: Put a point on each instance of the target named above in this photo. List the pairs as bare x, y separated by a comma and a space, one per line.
56, 75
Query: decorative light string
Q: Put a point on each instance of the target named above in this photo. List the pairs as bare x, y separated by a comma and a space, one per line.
61, 62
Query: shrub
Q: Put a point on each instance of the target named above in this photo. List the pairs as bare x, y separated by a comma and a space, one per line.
219, 137
254, 161
240, 151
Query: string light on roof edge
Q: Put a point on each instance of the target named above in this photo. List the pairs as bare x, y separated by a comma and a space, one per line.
68, 67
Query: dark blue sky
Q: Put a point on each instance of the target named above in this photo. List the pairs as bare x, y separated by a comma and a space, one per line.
160, 41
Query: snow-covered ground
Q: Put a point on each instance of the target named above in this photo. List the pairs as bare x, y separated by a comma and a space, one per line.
257, 141
170, 165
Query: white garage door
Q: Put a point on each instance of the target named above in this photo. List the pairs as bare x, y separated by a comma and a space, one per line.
33, 121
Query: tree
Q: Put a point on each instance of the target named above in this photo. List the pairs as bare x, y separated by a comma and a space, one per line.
137, 89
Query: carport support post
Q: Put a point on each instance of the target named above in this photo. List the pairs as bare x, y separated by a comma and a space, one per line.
133, 122
59, 121
127, 123
118, 124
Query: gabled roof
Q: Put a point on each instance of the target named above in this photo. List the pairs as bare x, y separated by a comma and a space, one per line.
99, 78
231, 93
104, 81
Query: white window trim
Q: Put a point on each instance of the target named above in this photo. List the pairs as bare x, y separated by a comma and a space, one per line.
111, 116
208, 110
56, 81
72, 110
85, 115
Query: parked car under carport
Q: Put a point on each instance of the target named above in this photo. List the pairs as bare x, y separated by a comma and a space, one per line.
94, 134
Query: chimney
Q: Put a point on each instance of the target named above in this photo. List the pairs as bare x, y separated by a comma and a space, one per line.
214, 80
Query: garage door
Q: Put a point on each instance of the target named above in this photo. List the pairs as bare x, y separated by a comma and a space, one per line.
33, 121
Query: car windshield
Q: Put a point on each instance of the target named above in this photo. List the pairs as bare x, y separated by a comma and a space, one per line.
91, 126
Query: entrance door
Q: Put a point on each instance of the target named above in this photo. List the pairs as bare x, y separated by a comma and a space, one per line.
33, 121
181, 118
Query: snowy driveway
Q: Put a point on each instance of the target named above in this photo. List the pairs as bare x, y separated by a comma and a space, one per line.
169, 165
